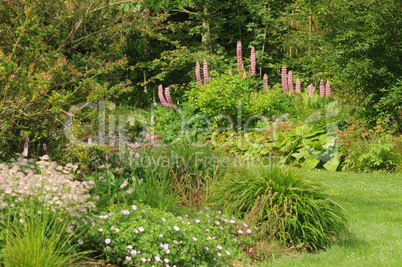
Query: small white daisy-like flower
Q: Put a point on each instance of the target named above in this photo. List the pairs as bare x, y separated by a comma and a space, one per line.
195, 239
176, 228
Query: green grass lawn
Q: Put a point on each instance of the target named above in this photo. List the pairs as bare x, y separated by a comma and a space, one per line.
373, 207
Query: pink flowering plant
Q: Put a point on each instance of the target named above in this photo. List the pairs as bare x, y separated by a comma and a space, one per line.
45, 183
138, 235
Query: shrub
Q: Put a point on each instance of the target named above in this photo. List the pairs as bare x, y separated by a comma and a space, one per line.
46, 183
224, 92
311, 218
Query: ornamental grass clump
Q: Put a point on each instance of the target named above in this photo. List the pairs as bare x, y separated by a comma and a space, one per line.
312, 219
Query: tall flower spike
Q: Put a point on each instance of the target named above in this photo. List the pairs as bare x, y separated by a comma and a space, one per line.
239, 58
298, 85
205, 71
161, 97
265, 79
284, 80
328, 89
290, 83
169, 99
322, 88
25, 153
198, 74
310, 90
253, 62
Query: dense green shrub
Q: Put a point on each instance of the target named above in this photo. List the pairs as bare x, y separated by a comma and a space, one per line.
312, 218
231, 96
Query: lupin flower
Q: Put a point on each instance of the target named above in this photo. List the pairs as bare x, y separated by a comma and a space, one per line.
322, 88
290, 82
25, 153
284, 80
161, 97
44, 147
265, 79
310, 90
253, 62
169, 99
198, 74
328, 89
244, 75
298, 86
205, 71
239, 57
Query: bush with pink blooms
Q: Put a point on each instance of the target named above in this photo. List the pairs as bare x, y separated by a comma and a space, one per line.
46, 183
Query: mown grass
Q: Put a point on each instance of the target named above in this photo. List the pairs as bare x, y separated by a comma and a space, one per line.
373, 207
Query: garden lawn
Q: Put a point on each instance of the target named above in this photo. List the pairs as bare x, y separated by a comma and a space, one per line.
373, 208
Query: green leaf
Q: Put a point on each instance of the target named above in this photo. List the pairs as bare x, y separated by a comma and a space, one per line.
332, 165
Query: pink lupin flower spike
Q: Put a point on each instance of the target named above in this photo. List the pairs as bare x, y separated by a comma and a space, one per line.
265, 79
298, 85
253, 62
239, 58
25, 153
205, 71
284, 80
322, 88
169, 99
310, 90
290, 83
161, 97
198, 74
328, 89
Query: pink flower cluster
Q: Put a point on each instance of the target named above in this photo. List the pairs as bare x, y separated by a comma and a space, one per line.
46, 182
168, 101
239, 58
253, 62
284, 80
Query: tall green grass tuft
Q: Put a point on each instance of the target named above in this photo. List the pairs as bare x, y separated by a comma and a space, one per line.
38, 237
312, 219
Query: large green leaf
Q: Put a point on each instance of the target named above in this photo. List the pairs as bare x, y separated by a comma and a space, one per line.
332, 165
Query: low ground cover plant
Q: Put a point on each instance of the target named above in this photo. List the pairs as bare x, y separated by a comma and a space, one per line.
141, 235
